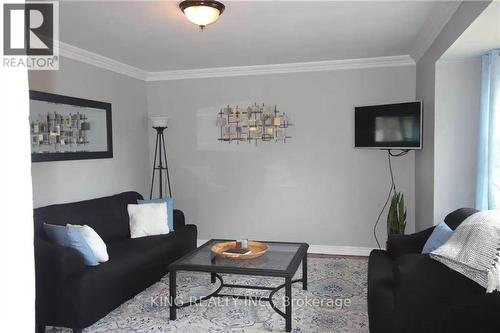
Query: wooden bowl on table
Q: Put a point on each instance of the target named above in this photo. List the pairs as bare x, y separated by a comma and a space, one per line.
256, 250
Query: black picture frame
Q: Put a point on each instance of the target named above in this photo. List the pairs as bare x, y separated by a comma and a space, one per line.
75, 101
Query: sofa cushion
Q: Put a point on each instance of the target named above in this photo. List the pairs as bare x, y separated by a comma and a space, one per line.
107, 216
136, 252
425, 289
133, 265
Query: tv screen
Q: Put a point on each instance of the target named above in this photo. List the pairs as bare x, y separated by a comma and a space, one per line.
389, 126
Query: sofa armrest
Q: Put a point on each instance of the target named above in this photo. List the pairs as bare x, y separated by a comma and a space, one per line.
179, 220
380, 291
397, 245
455, 218
55, 262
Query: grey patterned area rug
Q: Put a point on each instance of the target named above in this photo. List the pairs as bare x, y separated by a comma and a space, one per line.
334, 302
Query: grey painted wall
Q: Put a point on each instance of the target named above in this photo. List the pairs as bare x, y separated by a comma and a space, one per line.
66, 181
317, 188
458, 103
425, 91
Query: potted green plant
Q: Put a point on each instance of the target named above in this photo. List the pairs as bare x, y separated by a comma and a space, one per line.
396, 218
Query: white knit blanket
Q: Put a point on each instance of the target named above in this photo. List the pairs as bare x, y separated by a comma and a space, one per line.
474, 249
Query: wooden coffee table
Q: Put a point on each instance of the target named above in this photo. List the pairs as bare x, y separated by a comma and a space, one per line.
281, 260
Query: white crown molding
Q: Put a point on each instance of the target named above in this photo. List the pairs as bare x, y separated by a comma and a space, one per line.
327, 249
458, 60
298, 67
432, 28
76, 53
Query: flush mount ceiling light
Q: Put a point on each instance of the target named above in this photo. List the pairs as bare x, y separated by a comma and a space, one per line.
202, 13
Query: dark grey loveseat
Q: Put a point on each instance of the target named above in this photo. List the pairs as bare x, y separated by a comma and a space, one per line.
408, 292
70, 294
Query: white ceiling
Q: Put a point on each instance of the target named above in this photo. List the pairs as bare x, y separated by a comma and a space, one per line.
480, 37
155, 36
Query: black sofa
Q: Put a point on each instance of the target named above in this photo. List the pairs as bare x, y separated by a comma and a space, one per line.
70, 294
410, 292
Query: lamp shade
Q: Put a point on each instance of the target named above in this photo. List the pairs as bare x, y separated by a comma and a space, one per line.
159, 121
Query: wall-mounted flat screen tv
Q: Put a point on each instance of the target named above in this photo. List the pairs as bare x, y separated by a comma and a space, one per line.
389, 126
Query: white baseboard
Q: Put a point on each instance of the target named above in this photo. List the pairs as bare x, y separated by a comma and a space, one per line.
340, 250
329, 249
200, 242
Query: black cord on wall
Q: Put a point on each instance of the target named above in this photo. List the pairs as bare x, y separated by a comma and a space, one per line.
391, 189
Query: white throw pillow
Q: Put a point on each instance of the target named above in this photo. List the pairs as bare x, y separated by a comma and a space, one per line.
147, 219
94, 241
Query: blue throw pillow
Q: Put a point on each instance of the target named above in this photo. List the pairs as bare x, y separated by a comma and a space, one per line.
57, 233
439, 236
78, 242
170, 209
71, 237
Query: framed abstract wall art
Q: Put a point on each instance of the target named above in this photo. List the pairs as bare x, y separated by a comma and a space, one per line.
69, 128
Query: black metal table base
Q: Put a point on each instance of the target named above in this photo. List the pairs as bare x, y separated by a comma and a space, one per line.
287, 315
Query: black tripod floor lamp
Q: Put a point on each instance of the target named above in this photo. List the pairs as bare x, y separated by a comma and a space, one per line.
160, 157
